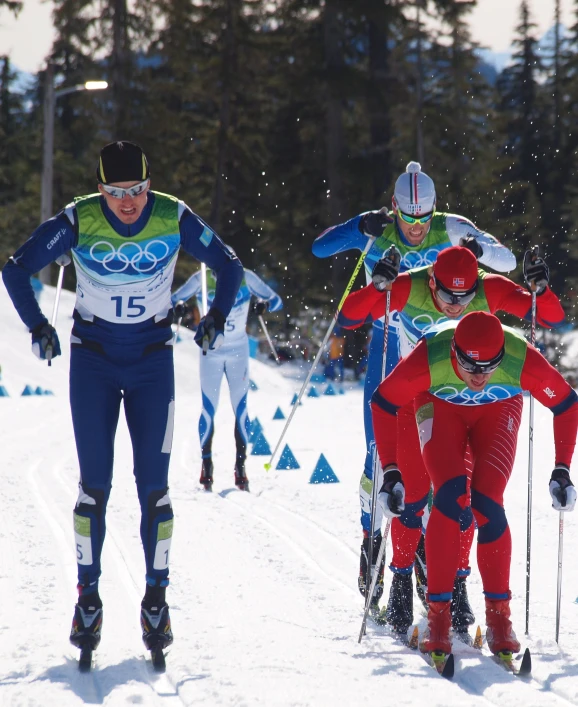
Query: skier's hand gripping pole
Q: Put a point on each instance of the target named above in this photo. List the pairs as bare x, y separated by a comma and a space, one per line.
63, 260
319, 353
532, 254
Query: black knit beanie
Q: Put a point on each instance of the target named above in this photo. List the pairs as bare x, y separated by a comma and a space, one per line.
122, 161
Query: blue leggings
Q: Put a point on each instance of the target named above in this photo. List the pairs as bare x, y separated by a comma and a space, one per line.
98, 385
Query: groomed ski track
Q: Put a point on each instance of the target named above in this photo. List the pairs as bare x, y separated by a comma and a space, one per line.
263, 595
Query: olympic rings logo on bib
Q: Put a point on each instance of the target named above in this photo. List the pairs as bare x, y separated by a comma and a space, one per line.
130, 255
417, 259
492, 394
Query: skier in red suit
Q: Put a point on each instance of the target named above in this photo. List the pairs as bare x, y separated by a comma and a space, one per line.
449, 289
466, 381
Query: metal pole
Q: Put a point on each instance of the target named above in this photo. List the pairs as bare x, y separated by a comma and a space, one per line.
263, 326
47, 157
380, 559
63, 261
204, 289
559, 587
530, 466
373, 570
370, 242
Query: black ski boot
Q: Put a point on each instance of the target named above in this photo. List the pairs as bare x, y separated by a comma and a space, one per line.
361, 580
86, 627
241, 480
420, 570
207, 474
461, 611
156, 624
399, 611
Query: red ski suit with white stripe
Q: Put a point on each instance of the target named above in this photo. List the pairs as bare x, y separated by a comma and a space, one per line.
367, 305
491, 431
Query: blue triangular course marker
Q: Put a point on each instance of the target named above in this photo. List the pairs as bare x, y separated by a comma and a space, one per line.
323, 473
317, 378
260, 445
255, 429
3, 392
313, 392
294, 400
253, 385
278, 414
287, 460
38, 391
330, 390
341, 391
48, 392
28, 391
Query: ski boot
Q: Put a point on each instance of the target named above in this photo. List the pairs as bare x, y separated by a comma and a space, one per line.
399, 610
241, 480
86, 627
420, 570
207, 474
156, 625
436, 637
499, 634
378, 591
461, 611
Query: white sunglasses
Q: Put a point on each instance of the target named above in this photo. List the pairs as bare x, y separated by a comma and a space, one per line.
118, 193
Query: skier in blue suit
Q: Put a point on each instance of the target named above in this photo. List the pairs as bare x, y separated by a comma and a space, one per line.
124, 242
231, 360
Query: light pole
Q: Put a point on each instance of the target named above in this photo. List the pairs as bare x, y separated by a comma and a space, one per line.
50, 97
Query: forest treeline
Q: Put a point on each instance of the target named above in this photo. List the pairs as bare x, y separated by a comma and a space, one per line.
274, 119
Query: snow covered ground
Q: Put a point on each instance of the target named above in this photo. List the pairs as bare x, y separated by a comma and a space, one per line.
263, 594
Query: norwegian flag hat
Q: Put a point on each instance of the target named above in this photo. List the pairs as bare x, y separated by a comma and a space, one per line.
479, 341
456, 270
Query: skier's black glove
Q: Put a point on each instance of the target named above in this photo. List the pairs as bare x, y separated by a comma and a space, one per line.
472, 244
386, 270
562, 489
391, 497
260, 307
210, 333
374, 223
180, 309
45, 343
536, 271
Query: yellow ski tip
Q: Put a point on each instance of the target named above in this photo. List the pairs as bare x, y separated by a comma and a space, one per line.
413, 641
478, 640
267, 466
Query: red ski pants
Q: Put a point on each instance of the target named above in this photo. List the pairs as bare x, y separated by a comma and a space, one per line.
445, 429
406, 530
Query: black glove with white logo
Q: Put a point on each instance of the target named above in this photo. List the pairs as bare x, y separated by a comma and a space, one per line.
472, 244
536, 271
386, 270
562, 489
210, 333
374, 223
391, 498
45, 343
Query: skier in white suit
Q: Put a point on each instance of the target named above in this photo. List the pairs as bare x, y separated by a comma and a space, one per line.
231, 359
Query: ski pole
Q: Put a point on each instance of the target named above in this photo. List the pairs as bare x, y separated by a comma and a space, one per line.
262, 322
380, 559
535, 251
325, 339
62, 260
373, 571
559, 585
